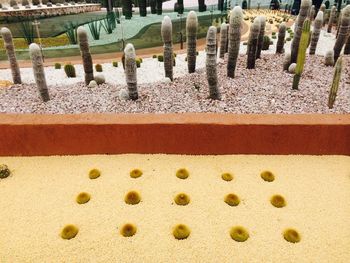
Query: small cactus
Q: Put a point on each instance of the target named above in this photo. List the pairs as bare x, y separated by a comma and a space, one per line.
130, 71
331, 19
166, 31
302, 53
343, 32
211, 64
58, 65
312, 13
261, 36
316, 32
236, 18
85, 54
98, 68
38, 70
253, 43
281, 37
115, 64
10, 50
223, 39
335, 82
191, 36
69, 69
329, 58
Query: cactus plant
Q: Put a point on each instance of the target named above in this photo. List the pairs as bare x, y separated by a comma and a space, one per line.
58, 65
312, 13
261, 37
191, 37
38, 70
211, 64
329, 58
281, 36
98, 68
331, 19
166, 31
253, 43
335, 82
85, 54
236, 18
69, 232
130, 71
316, 32
69, 69
10, 50
303, 13
304, 40
343, 32
223, 39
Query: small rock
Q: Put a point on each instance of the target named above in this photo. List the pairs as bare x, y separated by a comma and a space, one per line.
291, 68
123, 94
93, 84
100, 79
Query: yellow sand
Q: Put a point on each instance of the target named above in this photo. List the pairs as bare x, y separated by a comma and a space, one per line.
39, 199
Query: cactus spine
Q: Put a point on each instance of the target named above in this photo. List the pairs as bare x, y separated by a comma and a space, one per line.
331, 19
191, 35
253, 43
130, 71
261, 36
38, 70
343, 32
10, 50
223, 39
211, 64
281, 37
166, 31
85, 54
316, 32
302, 53
236, 18
335, 83
303, 13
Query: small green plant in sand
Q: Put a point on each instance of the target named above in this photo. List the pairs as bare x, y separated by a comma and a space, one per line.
267, 176
227, 177
83, 198
182, 173
4, 171
181, 231
94, 173
132, 198
239, 233
291, 235
128, 230
136, 173
69, 232
232, 200
182, 199
278, 201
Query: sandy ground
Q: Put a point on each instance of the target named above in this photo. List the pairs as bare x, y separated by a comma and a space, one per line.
38, 199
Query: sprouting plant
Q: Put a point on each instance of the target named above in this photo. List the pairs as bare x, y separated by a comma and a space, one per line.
278, 201
227, 177
83, 198
181, 231
232, 200
291, 235
239, 234
71, 32
95, 29
128, 230
94, 173
132, 198
182, 173
69, 232
267, 176
135, 173
182, 199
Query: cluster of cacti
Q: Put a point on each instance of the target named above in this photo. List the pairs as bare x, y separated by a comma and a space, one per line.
331, 19
223, 39
10, 50
304, 41
236, 18
261, 36
191, 38
316, 32
38, 70
303, 13
343, 32
85, 54
69, 69
130, 71
253, 43
281, 37
166, 31
335, 82
211, 64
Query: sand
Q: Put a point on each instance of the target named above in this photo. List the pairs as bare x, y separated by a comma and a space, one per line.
38, 199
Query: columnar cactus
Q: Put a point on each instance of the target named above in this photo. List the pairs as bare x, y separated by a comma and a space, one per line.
10, 50
343, 32
323, 8
331, 19
335, 82
38, 70
85, 54
166, 31
261, 36
303, 13
281, 37
223, 39
316, 32
312, 13
236, 18
304, 41
211, 64
130, 71
253, 42
286, 61
329, 58
191, 35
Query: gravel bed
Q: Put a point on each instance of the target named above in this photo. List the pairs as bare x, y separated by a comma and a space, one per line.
266, 89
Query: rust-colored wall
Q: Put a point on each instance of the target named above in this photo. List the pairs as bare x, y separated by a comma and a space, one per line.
32, 135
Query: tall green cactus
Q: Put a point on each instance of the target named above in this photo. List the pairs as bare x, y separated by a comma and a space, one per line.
303, 13
281, 37
38, 70
236, 18
335, 82
331, 19
316, 32
211, 64
253, 43
191, 35
166, 31
304, 41
10, 50
343, 32
261, 36
85, 54
130, 71
223, 39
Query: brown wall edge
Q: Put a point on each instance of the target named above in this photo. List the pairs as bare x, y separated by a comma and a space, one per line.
188, 133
